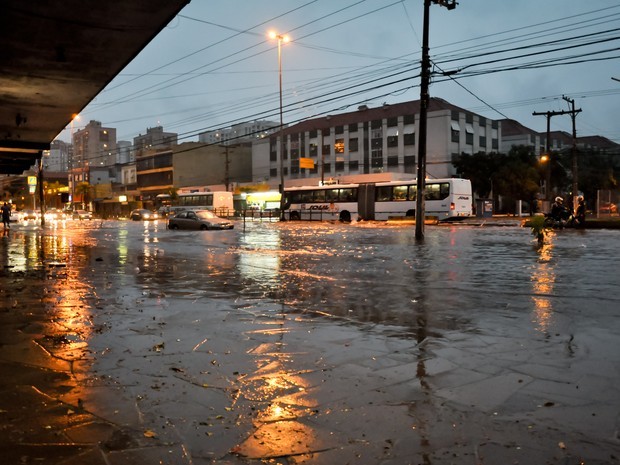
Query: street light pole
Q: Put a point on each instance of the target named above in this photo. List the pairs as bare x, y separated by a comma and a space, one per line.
281, 38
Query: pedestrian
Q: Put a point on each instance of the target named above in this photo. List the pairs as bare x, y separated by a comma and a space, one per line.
6, 216
580, 213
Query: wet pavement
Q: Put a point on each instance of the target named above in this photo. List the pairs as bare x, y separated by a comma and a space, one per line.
295, 343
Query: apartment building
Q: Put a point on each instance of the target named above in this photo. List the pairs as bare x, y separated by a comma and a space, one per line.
375, 140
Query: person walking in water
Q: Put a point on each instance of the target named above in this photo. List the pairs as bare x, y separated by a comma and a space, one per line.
6, 215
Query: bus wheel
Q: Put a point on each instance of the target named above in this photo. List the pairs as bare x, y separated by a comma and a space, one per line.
345, 216
410, 213
294, 216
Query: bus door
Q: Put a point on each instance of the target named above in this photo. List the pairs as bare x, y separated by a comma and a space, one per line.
366, 201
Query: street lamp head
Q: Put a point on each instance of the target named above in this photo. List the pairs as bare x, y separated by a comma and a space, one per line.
281, 37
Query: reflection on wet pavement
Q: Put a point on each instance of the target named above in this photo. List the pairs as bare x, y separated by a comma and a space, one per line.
303, 343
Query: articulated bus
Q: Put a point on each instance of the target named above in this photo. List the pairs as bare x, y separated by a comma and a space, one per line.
220, 202
446, 199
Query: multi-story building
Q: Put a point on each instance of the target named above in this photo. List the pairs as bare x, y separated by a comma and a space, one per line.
124, 154
93, 146
56, 159
376, 140
154, 139
192, 164
238, 133
515, 134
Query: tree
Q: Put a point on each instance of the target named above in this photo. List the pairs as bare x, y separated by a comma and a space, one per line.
513, 176
479, 168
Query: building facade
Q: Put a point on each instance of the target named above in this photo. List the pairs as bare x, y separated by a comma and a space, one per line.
56, 159
154, 139
514, 134
375, 140
192, 164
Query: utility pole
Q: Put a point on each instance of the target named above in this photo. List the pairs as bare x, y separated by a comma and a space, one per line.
226, 169
573, 115
425, 75
548, 114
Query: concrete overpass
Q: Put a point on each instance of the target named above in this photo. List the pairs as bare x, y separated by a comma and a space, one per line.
56, 56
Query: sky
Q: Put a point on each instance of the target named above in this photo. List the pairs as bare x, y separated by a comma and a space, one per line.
214, 64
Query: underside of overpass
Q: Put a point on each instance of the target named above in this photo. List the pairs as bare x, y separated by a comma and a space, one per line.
55, 57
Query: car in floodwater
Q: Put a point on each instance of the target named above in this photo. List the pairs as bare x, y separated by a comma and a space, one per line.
142, 214
82, 215
198, 219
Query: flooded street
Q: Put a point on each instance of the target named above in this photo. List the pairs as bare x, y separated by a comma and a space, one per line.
317, 344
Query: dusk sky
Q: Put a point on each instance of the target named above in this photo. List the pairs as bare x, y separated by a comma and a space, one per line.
214, 64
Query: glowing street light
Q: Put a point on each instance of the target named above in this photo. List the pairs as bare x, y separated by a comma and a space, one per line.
281, 38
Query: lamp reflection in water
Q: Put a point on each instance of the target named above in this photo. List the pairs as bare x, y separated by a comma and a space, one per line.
543, 281
283, 400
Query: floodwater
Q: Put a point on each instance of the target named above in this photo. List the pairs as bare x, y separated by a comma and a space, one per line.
328, 343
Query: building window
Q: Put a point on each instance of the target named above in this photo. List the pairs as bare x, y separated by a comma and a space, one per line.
392, 141
392, 161
482, 121
353, 127
469, 118
325, 132
353, 145
455, 115
409, 163
455, 131
339, 129
339, 165
409, 139
494, 144
273, 156
375, 124
313, 134
339, 146
327, 168
273, 173
313, 149
294, 154
409, 119
377, 143
469, 138
354, 165
327, 149
294, 169
391, 122
483, 141
376, 160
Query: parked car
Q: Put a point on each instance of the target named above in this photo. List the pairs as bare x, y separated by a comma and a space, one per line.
142, 214
198, 219
82, 215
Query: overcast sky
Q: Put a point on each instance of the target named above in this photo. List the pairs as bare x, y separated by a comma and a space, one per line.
214, 64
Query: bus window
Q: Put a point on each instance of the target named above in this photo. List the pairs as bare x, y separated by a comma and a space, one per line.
305, 197
413, 191
437, 191
400, 192
331, 195
384, 194
319, 195
348, 195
